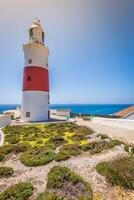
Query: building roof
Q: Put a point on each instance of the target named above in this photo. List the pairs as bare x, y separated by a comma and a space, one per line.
125, 111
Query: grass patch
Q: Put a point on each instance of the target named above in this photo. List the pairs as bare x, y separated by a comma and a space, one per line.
37, 156
119, 172
22, 147
71, 149
35, 142
20, 191
6, 171
56, 140
2, 156
44, 134
69, 185
97, 147
62, 155
48, 196
12, 139
6, 149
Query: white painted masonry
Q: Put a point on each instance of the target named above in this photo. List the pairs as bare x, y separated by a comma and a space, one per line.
122, 123
35, 100
38, 108
37, 53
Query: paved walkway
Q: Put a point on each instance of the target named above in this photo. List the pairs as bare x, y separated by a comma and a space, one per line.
122, 134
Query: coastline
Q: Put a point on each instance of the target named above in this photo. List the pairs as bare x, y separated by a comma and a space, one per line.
89, 109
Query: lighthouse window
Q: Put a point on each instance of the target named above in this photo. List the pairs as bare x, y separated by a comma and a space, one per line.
29, 78
27, 114
31, 33
30, 61
43, 37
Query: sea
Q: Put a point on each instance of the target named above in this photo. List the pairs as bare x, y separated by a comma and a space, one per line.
95, 109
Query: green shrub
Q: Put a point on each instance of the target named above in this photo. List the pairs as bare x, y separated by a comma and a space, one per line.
40, 141
6, 149
12, 139
2, 156
6, 171
56, 140
129, 149
97, 147
103, 136
20, 191
22, 147
114, 143
48, 145
87, 147
126, 148
68, 183
119, 172
48, 196
62, 155
132, 150
37, 156
71, 149
83, 130
77, 137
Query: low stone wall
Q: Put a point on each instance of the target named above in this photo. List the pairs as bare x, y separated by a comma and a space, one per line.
122, 123
5, 120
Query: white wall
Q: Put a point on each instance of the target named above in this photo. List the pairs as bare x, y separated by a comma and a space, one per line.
5, 120
122, 123
35, 102
38, 53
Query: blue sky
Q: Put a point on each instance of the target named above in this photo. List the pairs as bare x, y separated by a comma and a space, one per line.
91, 46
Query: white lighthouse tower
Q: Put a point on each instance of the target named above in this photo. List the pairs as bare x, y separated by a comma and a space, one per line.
35, 97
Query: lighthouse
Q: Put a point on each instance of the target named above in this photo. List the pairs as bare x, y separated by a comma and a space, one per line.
35, 92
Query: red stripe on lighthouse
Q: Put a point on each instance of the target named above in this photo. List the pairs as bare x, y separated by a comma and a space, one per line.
35, 79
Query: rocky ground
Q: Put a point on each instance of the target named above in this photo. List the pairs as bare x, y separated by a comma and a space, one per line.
83, 165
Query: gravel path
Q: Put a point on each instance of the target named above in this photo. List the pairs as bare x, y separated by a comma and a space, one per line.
83, 165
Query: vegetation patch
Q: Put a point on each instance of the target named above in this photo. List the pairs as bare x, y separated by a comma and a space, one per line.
103, 136
56, 140
38, 142
119, 172
48, 196
2, 156
20, 191
62, 155
68, 185
12, 139
6, 149
22, 147
71, 149
97, 147
129, 149
45, 134
77, 137
6, 171
37, 156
